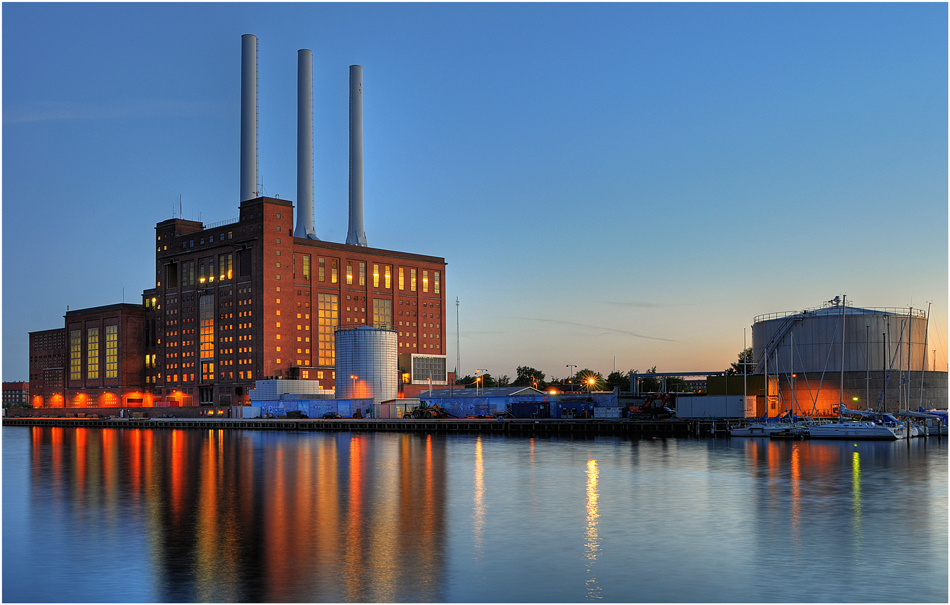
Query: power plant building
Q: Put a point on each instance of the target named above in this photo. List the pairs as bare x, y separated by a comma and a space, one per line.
255, 297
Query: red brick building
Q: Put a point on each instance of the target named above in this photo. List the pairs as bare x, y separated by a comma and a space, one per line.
106, 357
96, 360
48, 368
244, 300
16, 394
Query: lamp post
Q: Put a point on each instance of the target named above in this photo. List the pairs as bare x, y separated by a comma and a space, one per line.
479, 378
570, 375
353, 377
590, 384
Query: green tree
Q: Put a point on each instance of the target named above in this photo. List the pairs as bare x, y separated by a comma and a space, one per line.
675, 384
650, 384
619, 379
529, 377
503, 381
745, 364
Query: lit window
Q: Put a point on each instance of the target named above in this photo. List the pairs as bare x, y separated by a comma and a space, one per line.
425, 281
349, 273
92, 353
436, 282
388, 277
402, 284
306, 267
75, 354
375, 275
112, 341
362, 274
327, 321
412, 280
333, 271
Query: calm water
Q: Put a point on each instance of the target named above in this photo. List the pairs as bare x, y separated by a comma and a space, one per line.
193, 515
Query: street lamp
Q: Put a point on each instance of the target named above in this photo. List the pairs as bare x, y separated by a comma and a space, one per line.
570, 375
353, 377
479, 378
590, 384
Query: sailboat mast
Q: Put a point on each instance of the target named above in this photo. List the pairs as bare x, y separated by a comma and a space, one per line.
923, 362
841, 388
791, 370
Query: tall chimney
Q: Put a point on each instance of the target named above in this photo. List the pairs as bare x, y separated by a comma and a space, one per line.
304, 226
248, 117
355, 235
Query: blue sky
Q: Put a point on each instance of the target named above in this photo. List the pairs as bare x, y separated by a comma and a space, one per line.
606, 181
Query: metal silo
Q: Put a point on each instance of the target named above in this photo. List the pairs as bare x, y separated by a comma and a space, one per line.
810, 340
366, 364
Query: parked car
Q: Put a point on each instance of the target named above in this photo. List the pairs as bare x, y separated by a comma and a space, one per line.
332, 415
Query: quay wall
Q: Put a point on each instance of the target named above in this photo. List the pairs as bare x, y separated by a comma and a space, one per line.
663, 428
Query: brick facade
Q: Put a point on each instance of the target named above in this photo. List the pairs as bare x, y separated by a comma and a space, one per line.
47, 368
263, 290
106, 366
16, 394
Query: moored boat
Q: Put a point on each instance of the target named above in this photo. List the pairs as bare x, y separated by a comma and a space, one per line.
859, 429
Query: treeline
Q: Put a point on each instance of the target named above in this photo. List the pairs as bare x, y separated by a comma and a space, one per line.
585, 379
588, 379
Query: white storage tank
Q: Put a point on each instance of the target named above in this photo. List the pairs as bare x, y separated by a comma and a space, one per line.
873, 339
366, 364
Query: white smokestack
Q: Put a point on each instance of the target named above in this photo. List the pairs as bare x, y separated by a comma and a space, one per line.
304, 226
248, 117
355, 235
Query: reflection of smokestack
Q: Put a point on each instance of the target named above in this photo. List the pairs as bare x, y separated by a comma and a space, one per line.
355, 234
248, 117
304, 226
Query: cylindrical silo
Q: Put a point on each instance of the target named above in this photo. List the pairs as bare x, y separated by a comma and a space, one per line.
810, 340
366, 364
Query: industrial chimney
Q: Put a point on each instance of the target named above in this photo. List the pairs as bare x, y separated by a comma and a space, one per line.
304, 226
248, 117
355, 234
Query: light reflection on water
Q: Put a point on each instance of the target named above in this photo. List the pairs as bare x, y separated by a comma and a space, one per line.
213, 515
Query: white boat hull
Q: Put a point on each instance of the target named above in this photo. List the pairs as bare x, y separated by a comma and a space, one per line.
758, 430
857, 430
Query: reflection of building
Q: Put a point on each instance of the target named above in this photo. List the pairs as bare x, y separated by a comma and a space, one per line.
250, 298
329, 518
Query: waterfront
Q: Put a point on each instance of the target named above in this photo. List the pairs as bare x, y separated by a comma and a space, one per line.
225, 515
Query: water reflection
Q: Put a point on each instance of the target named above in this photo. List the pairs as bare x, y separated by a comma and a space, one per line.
211, 515
856, 493
241, 516
478, 515
592, 546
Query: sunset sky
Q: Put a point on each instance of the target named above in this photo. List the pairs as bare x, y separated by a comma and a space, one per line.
611, 185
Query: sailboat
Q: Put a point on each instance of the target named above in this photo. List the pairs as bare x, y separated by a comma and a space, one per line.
872, 425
